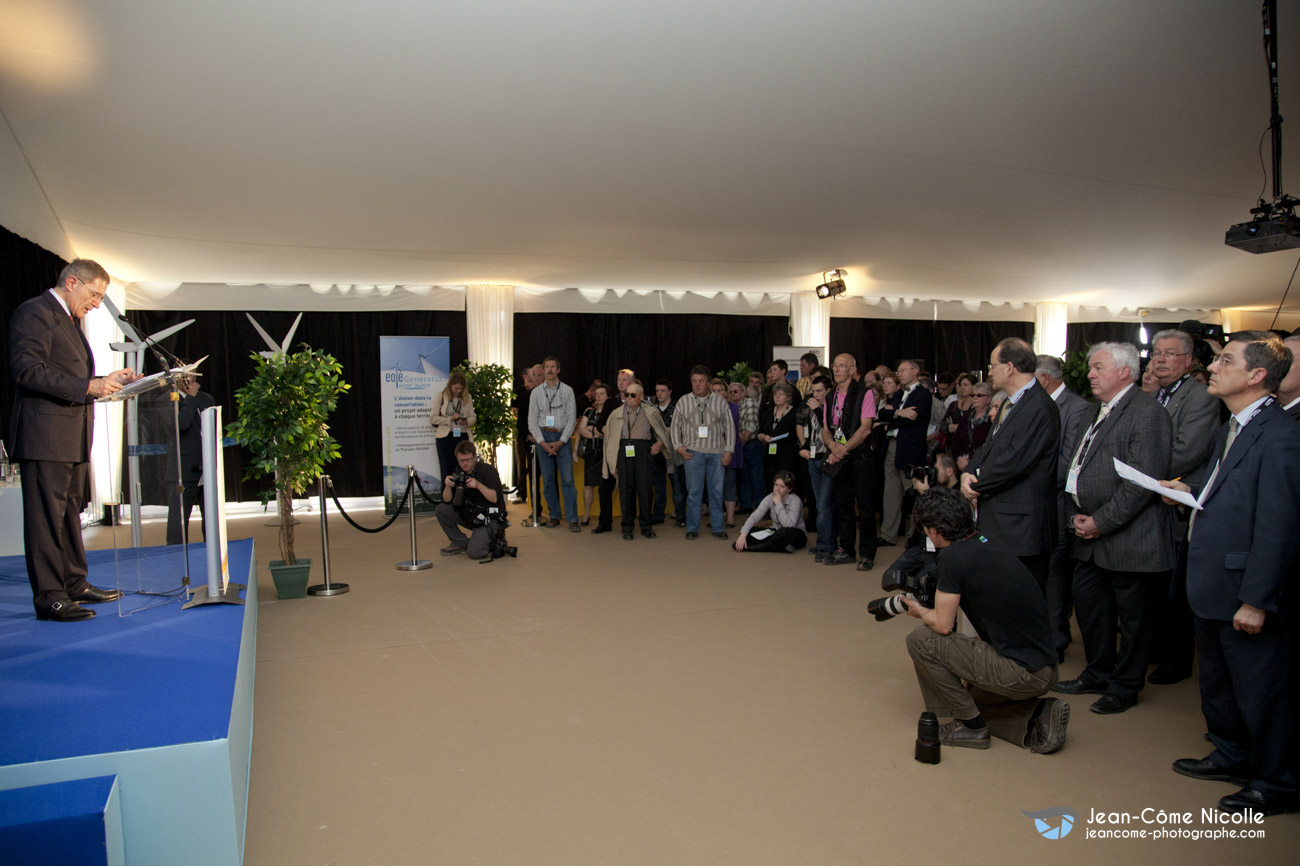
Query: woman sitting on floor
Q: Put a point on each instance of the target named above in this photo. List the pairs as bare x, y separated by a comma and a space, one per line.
786, 534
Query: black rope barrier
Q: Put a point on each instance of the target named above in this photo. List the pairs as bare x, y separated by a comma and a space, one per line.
397, 513
425, 494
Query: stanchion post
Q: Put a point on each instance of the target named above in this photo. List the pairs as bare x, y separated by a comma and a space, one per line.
326, 588
414, 563
536, 491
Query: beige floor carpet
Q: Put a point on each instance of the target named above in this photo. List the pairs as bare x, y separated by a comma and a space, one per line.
598, 701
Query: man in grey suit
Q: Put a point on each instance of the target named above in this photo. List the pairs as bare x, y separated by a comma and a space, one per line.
1076, 415
1288, 393
51, 428
1195, 417
1123, 540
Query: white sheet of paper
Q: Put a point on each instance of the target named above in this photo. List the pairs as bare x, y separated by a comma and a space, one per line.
1128, 473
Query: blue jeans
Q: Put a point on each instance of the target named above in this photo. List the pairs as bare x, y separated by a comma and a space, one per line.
704, 470
752, 489
547, 464
824, 492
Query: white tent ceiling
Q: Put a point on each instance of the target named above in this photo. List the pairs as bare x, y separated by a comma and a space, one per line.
1091, 151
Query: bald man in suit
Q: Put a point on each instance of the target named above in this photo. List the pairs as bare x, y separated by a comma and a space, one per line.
52, 426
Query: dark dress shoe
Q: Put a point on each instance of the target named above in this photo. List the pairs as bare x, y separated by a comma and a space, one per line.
839, 557
690, 536
1079, 686
655, 521
65, 611
599, 529
627, 536
680, 523
95, 595
1109, 704
553, 522
1205, 768
648, 533
880, 542
721, 535
1167, 675
1249, 798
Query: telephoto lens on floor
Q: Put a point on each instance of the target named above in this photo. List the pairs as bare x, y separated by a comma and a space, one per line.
927, 739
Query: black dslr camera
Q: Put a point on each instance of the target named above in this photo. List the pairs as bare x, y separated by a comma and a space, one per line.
459, 477
916, 574
928, 474
495, 521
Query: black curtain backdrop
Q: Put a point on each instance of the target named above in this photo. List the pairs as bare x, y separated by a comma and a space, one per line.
939, 347
1080, 336
654, 345
26, 270
228, 339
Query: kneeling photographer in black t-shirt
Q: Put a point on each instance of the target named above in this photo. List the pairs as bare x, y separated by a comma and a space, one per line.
1014, 663
471, 497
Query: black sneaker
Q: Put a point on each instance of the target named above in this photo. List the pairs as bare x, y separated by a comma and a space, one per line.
839, 557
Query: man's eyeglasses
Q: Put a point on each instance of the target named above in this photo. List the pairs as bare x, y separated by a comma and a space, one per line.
1169, 355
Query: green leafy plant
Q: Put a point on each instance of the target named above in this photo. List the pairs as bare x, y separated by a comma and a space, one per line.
282, 417
739, 372
489, 387
1075, 365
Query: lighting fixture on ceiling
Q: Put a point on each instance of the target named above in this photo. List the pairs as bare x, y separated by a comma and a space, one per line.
833, 285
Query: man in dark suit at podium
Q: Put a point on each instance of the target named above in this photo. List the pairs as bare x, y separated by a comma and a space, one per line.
53, 418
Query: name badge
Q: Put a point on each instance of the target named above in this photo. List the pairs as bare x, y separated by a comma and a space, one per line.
771, 448
840, 437
455, 431
629, 450
1072, 481
549, 422
704, 431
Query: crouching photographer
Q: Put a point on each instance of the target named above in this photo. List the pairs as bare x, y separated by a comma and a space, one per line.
471, 497
1006, 673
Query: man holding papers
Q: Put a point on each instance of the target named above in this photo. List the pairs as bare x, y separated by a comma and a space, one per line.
1123, 538
1243, 547
52, 428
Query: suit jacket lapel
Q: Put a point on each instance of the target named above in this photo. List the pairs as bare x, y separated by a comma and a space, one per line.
1112, 418
1245, 440
70, 329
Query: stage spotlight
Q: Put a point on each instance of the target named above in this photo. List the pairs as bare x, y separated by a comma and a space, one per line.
833, 285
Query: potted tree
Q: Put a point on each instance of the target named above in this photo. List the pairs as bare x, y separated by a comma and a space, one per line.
282, 417
494, 425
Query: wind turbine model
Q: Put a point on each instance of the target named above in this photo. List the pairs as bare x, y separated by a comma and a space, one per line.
280, 349
136, 352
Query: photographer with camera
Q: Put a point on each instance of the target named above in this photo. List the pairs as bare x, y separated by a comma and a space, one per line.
467, 496
993, 685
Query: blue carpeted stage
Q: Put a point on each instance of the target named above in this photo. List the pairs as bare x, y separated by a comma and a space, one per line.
160, 698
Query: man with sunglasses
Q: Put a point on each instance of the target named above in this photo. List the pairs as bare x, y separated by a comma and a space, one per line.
634, 434
52, 429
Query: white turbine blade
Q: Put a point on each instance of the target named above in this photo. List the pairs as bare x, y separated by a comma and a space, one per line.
167, 332
284, 347
122, 324
275, 349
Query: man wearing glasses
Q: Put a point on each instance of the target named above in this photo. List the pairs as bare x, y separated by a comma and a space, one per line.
52, 430
634, 434
1011, 479
1195, 417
